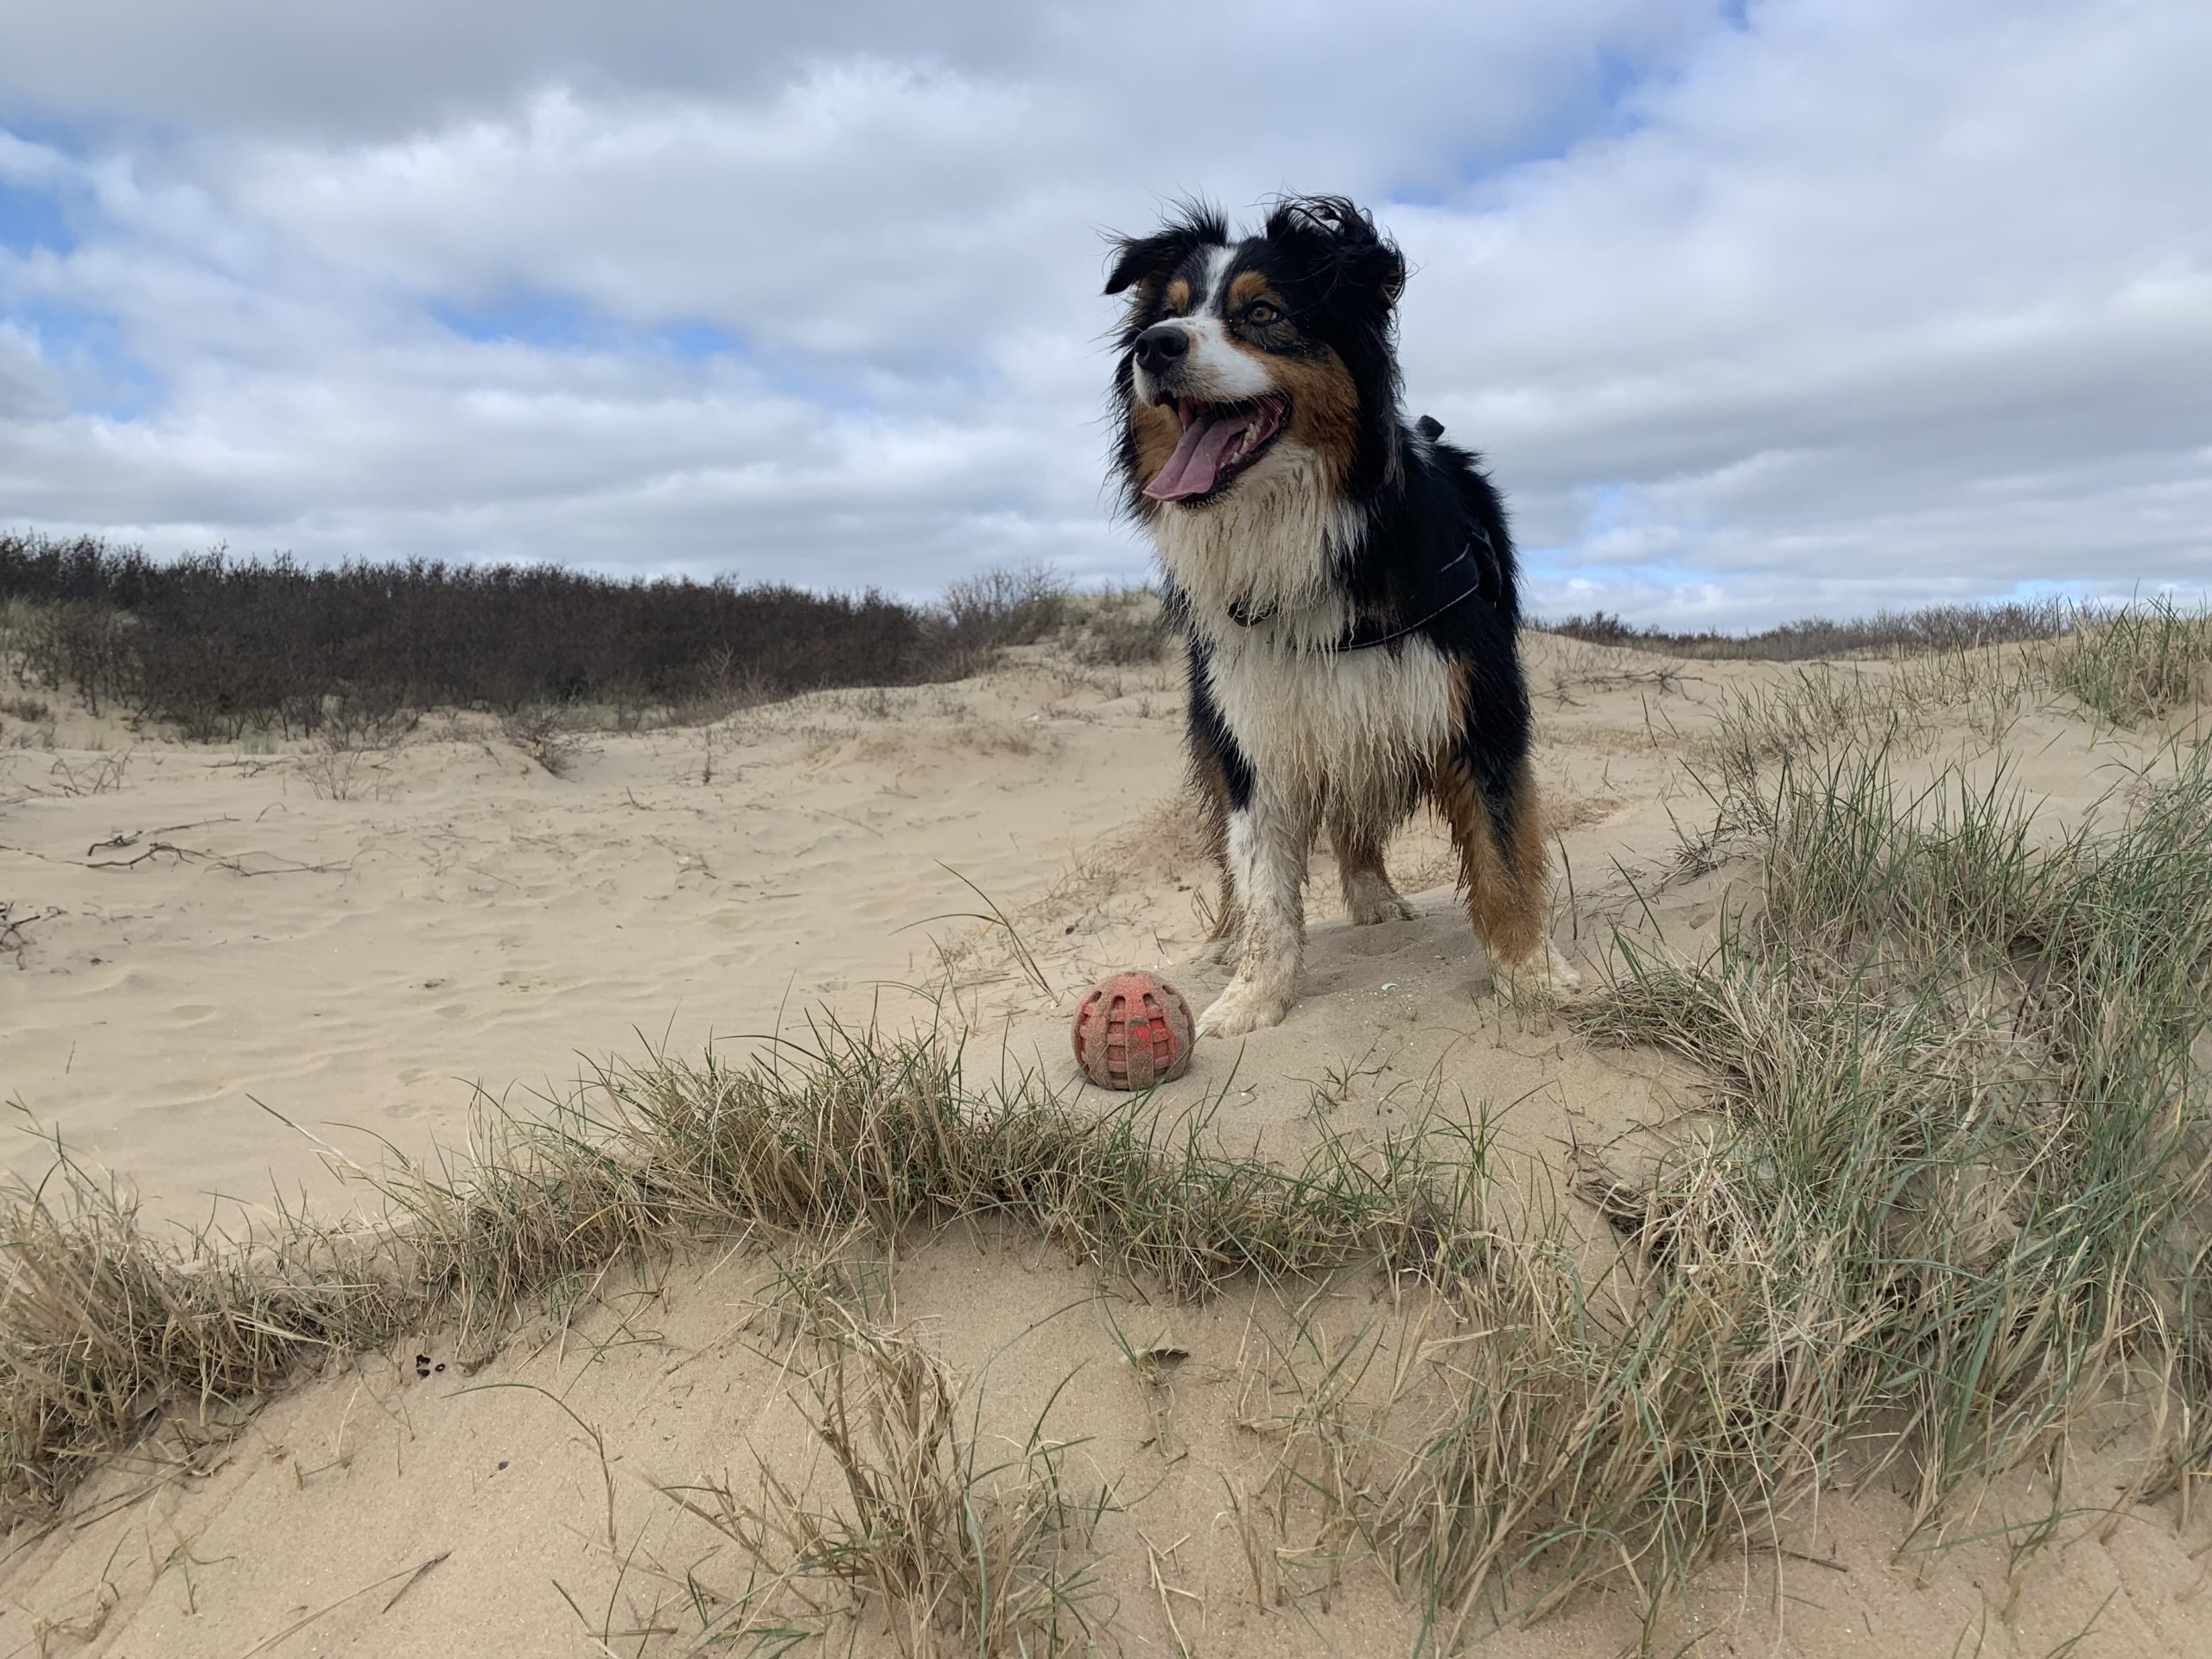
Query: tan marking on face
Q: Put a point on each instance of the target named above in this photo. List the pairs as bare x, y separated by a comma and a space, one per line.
1178, 296
1248, 286
1157, 429
1324, 405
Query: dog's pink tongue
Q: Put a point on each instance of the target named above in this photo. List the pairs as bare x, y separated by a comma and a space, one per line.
1197, 460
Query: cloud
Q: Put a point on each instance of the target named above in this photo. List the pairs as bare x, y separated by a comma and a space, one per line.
1834, 305
1874, 300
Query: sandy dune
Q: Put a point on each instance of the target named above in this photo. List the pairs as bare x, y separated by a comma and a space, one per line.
360, 950
221, 932
462, 918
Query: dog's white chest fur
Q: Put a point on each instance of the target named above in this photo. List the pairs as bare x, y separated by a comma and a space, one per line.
1350, 725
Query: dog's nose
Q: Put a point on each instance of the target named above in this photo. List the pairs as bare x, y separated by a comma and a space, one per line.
1160, 346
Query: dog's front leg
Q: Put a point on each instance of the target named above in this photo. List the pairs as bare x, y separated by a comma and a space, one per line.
1268, 839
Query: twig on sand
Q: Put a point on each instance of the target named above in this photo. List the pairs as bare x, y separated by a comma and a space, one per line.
131, 838
13, 940
234, 862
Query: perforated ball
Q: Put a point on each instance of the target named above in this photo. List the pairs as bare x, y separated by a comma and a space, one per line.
1133, 1030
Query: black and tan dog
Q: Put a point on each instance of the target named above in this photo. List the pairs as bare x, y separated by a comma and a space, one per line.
1344, 580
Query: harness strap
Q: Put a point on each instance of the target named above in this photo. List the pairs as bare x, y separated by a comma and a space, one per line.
1366, 636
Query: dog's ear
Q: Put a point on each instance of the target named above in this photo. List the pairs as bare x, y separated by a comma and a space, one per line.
1191, 225
1137, 258
1345, 254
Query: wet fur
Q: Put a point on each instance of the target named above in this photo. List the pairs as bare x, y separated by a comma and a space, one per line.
1350, 517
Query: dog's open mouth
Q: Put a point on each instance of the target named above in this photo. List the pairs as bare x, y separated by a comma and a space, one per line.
1219, 441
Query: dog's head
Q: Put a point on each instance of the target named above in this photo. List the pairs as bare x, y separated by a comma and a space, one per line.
1241, 354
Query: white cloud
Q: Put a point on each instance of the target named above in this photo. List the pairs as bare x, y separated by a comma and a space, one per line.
1871, 296
1852, 304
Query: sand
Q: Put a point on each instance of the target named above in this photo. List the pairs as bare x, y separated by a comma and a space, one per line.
228, 960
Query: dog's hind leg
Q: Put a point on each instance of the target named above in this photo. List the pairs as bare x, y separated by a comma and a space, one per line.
1268, 840
1358, 837
1504, 874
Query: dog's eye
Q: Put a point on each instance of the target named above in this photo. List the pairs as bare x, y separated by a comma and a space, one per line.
1260, 314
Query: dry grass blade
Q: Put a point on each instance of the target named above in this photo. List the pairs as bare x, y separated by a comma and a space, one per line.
951, 1552
411, 1575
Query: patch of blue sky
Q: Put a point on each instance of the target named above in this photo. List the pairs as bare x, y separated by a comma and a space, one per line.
1613, 109
89, 350
33, 218
529, 318
697, 341
1602, 503
1619, 78
559, 322
554, 322
1602, 506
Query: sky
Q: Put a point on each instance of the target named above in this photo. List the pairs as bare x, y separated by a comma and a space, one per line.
1756, 310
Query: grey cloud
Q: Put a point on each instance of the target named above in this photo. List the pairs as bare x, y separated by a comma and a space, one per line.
1855, 304
273, 66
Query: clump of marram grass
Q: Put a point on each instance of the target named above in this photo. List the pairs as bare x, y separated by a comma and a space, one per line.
103, 1326
1956, 1189
1815, 711
1905, 702
2137, 665
888, 1136
1963, 1149
1564, 1428
953, 1552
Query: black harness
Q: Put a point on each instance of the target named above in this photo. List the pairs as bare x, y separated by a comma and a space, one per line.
1367, 634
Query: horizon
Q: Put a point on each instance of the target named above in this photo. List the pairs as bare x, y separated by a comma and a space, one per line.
1146, 579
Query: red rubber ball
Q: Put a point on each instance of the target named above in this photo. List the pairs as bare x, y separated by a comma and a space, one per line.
1133, 1030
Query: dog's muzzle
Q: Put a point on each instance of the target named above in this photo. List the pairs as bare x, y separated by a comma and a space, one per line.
1161, 349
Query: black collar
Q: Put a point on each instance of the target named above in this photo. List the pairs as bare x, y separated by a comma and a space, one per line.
1367, 632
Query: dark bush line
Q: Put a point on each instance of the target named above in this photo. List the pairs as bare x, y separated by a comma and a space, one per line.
219, 644
1939, 627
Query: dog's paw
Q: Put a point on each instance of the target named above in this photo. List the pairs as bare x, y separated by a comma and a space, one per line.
1369, 901
1565, 978
1540, 977
1244, 1007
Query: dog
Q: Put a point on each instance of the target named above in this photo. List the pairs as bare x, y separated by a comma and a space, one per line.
1344, 581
